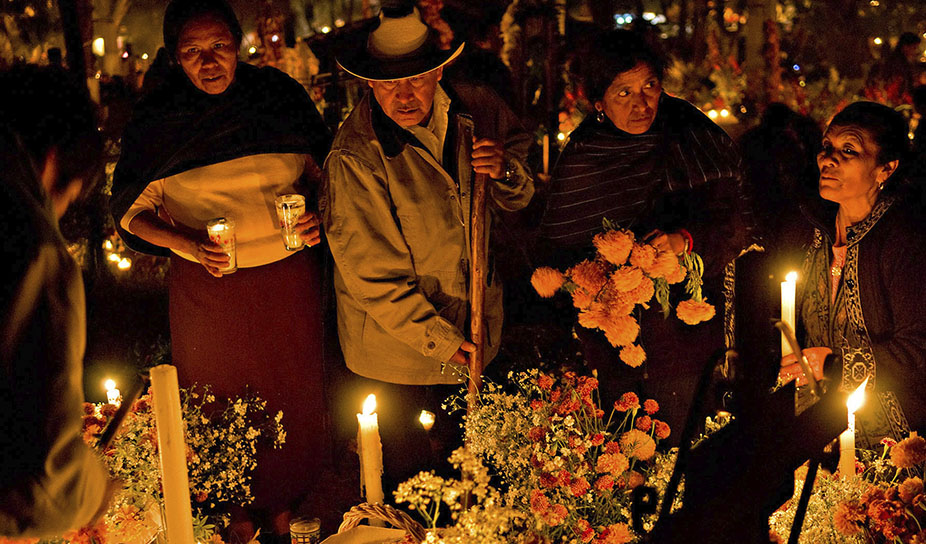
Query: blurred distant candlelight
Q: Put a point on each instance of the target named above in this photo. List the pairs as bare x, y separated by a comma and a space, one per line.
427, 419
113, 396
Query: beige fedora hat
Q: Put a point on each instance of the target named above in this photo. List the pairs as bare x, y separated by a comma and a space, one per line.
399, 47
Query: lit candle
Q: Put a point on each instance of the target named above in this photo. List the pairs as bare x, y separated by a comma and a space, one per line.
113, 396
427, 419
165, 400
787, 309
371, 452
546, 154
847, 438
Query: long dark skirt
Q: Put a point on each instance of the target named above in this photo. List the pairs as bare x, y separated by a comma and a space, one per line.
260, 330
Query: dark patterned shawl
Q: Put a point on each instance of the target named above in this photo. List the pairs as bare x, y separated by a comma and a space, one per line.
178, 128
664, 178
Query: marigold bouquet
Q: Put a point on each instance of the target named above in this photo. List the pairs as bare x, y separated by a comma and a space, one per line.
884, 503
222, 438
623, 274
568, 464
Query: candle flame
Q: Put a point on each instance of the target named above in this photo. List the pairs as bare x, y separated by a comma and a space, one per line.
109, 384
791, 277
857, 398
427, 419
369, 405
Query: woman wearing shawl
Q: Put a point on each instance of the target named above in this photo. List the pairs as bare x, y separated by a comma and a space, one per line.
656, 165
221, 138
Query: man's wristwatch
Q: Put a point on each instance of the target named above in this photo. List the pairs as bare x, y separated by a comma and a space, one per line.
510, 171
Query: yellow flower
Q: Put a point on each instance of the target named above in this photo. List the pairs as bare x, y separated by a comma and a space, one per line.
643, 256
589, 275
626, 278
614, 245
636, 443
909, 452
633, 355
547, 281
666, 264
693, 312
643, 293
620, 330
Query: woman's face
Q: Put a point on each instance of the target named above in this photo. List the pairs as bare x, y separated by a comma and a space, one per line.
208, 54
849, 169
631, 101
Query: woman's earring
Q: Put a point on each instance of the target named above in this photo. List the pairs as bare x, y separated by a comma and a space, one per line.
600, 117
881, 186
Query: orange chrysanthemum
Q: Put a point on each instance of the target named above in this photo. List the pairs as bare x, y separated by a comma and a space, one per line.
604, 483
643, 293
662, 429
637, 444
626, 278
614, 245
666, 263
612, 463
677, 276
547, 281
910, 489
581, 298
651, 406
847, 517
692, 312
589, 275
909, 452
619, 533
643, 256
616, 302
633, 355
594, 317
621, 330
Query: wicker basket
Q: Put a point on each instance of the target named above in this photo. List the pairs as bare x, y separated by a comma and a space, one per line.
397, 518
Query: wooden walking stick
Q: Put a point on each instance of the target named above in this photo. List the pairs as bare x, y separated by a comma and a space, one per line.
477, 284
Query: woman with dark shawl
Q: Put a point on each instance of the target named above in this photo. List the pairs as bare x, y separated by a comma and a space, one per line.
862, 250
220, 138
656, 165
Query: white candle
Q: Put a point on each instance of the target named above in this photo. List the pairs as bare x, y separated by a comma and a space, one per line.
371, 452
546, 153
847, 438
427, 419
165, 400
113, 395
787, 309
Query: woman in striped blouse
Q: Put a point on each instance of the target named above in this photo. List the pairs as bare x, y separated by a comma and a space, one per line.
656, 165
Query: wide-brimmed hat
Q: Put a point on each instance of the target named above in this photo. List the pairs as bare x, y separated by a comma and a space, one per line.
399, 47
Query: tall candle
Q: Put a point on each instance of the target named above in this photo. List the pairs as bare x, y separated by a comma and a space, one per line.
847, 438
787, 309
165, 400
371, 451
546, 153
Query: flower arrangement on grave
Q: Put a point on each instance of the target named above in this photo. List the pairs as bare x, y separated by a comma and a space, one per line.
222, 438
623, 274
884, 501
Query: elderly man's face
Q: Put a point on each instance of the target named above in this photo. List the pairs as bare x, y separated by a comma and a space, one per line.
407, 101
208, 54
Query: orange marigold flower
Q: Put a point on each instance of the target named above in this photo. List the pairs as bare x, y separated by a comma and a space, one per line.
651, 406
644, 423
677, 276
604, 483
547, 281
662, 429
637, 444
626, 278
612, 463
545, 382
628, 401
539, 502
548, 480
643, 256
621, 330
614, 245
579, 487
910, 489
634, 479
536, 434
692, 312
642, 293
597, 439
612, 447
581, 298
594, 317
589, 275
666, 263
633, 355
585, 530
536, 404
909, 452
556, 515
615, 302
848, 516
619, 533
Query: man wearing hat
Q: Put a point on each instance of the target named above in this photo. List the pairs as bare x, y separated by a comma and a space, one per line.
396, 211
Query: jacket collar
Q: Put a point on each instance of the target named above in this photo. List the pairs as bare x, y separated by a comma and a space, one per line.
822, 215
